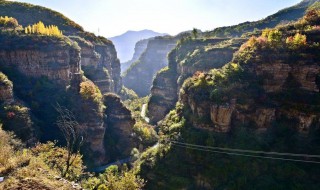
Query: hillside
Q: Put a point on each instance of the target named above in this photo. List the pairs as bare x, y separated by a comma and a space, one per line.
125, 42
230, 122
283, 16
74, 71
28, 14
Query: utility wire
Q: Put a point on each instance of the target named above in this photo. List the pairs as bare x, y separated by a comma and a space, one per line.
248, 151
252, 156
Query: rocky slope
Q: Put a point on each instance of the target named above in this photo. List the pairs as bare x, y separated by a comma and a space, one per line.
266, 98
100, 63
59, 68
215, 54
140, 74
119, 140
185, 60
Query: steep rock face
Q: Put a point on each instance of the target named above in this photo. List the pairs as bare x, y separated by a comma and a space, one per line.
60, 64
119, 139
140, 74
139, 48
56, 63
185, 60
101, 65
276, 84
164, 95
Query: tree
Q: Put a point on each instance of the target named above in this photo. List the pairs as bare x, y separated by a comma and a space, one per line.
73, 134
195, 33
40, 28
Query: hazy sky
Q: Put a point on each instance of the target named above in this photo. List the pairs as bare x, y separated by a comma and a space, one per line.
114, 17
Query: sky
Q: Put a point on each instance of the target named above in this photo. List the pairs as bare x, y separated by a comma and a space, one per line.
113, 17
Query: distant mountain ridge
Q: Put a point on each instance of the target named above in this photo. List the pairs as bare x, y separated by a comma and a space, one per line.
125, 43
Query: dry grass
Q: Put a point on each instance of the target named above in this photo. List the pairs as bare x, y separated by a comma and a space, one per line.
23, 170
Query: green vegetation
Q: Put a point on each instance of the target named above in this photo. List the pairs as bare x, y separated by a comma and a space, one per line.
126, 94
113, 179
40, 28
43, 166
168, 166
287, 15
89, 91
298, 41
40, 165
146, 133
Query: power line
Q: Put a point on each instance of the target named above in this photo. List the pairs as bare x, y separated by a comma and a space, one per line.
248, 151
252, 156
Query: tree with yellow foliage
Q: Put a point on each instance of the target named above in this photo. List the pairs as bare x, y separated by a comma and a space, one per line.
8, 22
40, 28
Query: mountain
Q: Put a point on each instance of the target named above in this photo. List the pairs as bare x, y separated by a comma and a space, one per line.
227, 108
225, 40
76, 69
125, 43
283, 16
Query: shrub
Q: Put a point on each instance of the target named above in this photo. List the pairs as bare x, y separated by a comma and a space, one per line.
145, 132
9, 22
312, 17
89, 91
296, 42
4, 80
113, 179
273, 36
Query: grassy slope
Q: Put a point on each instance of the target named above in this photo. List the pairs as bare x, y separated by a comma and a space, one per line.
28, 14
288, 14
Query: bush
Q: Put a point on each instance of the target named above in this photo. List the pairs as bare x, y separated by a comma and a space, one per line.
296, 42
312, 17
9, 22
4, 80
89, 91
113, 179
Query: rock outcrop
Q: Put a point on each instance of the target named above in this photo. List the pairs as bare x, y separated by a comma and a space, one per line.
276, 84
100, 64
57, 62
186, 59
119, 128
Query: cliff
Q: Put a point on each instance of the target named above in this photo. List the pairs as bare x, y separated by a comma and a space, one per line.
191, 56
45, 66
266, 99
140, 74
139, 48
119, 135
